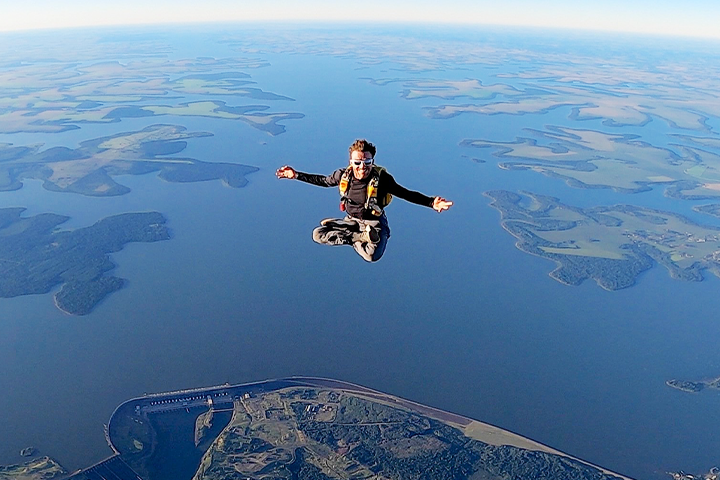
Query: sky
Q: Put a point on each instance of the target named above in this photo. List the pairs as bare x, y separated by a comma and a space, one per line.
695, 18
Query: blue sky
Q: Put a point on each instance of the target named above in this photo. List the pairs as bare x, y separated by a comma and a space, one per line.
688, 18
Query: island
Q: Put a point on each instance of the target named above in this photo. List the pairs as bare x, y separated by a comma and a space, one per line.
694, 386
308, 428
587, 158
64, 98
253, 115
610, 244
28, 451
615, 106
35, 256
610, 95
90, 168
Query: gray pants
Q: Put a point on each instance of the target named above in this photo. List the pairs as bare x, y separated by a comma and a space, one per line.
346, 231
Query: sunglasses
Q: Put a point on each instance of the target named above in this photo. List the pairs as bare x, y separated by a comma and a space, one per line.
366, 162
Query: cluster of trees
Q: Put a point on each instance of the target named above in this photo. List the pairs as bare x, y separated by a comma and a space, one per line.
36, 257
231, 173
79, 298
609, 273
391, 442
449, 455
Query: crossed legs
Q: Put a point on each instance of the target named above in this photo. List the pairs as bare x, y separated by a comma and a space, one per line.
353, 231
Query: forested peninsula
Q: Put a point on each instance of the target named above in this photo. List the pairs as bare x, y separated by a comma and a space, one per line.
36, 257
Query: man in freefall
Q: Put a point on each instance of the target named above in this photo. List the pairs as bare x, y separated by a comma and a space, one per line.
365, 191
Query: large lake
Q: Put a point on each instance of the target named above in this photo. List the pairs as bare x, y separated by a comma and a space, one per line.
453, 316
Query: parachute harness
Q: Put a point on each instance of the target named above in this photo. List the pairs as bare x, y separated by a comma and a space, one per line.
372, 203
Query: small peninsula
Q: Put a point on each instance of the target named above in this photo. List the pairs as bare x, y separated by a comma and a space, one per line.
711, 209
611, 245
36, 257
307, 428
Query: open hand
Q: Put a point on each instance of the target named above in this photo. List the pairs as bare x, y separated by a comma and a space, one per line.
440, 204
286, 172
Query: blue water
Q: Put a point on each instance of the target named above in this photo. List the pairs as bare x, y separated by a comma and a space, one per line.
453, 316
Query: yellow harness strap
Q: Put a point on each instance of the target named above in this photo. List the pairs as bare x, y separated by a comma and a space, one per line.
371, 202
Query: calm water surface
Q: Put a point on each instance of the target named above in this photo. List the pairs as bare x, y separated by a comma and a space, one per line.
453, 316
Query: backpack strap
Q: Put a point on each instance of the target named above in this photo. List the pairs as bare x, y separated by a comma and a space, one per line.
344, 187
371, 201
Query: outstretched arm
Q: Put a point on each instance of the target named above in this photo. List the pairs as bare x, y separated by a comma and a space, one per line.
440, 204
331, 180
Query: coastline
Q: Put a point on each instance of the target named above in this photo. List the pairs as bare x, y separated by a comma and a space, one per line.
472, 428
57, 305
558, 264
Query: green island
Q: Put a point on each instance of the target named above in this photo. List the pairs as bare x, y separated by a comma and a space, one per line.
308, 428
35, 256
594, 159
611, 245
41, 468
90, 168
34, 98
696, 386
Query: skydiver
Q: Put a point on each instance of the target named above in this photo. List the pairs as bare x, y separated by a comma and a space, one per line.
365, 191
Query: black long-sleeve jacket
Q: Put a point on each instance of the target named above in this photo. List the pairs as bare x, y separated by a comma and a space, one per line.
357, 191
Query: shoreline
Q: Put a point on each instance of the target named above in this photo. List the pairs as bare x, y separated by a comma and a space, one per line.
57, 305
475, 429
558, 264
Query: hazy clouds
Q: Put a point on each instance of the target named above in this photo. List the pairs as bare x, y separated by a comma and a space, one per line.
691, 18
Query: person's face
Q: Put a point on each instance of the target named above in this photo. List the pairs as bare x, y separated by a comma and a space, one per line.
361, 163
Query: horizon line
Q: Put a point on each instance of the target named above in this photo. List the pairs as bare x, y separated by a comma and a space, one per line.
379, 22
